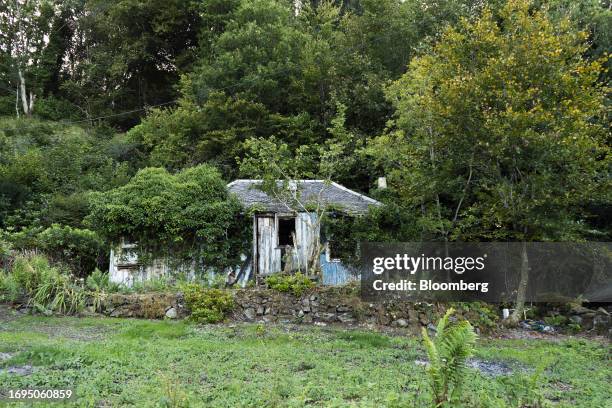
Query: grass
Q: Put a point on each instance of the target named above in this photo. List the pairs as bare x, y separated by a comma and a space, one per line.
124, 362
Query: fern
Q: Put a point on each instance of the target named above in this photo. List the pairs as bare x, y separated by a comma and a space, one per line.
448, 352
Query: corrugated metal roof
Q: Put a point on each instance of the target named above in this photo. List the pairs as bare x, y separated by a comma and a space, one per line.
310, 192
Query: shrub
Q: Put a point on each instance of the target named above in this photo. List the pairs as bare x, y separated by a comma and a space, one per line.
78, 249
97, 281
296, 283
448, 352
10, 291
47, 287
184, 217
58, 293
207, 305
5, 253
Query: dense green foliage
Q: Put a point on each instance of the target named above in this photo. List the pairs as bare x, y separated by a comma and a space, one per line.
207, 305
81, 250
139, 362
44, 287
189, 215
489, 119
493, 144
296, 283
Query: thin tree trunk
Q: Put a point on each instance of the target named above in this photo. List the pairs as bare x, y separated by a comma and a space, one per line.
17, 102
24, 95
521, 293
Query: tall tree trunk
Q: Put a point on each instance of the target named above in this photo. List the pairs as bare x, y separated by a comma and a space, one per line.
17, 102
27, 108
521, 293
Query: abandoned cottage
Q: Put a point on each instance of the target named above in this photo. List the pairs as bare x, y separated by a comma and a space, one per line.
286, 234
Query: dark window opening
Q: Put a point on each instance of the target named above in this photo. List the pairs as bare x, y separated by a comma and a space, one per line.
286, 229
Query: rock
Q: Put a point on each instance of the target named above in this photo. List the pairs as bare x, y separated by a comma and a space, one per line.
326, 317
313, 298
423, 319
322, 324
305, 302
260, 310
346, 318
307, 318
399, 323
412, 315
581, 310
249, 313
601, 323
300, 313
342, 309
266, 310
171, 313
576, 319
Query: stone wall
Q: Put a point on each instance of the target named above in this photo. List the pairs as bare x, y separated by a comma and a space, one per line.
329, 305
326, 305
145, 306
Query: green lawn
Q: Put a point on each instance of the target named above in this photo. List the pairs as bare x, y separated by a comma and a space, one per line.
120, 362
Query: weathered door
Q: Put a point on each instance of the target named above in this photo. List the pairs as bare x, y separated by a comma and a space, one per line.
268, 253
306, 235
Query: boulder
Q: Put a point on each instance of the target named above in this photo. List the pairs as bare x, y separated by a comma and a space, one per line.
399, 323
346, 318
171, 313
249, 313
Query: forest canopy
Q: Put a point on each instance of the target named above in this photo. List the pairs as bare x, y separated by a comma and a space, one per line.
490, 120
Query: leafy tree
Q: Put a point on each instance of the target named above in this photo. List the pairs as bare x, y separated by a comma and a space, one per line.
45, 166
186, 217
498, 133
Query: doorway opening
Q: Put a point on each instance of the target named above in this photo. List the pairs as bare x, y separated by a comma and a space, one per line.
286, 230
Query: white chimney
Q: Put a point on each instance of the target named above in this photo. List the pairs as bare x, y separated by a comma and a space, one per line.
293, 188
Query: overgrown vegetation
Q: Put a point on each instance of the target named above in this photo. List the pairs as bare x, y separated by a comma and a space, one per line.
448, 352
121, 362
186, 217
296, 283
207, 305
44, 287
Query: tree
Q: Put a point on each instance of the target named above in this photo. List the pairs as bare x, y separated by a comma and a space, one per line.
25, 27
498, 133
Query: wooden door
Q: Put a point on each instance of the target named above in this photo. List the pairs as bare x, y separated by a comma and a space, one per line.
268, 254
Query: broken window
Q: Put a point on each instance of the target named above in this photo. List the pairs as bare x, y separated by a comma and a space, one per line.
286, 230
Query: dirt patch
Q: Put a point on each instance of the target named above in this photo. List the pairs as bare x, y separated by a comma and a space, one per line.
486, 368
14, 370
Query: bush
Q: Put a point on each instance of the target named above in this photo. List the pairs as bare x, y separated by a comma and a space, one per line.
98, 281
448, 352
5, 253
78, 249
184, 217
296, 283
48, 288
207, 305
10, 291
